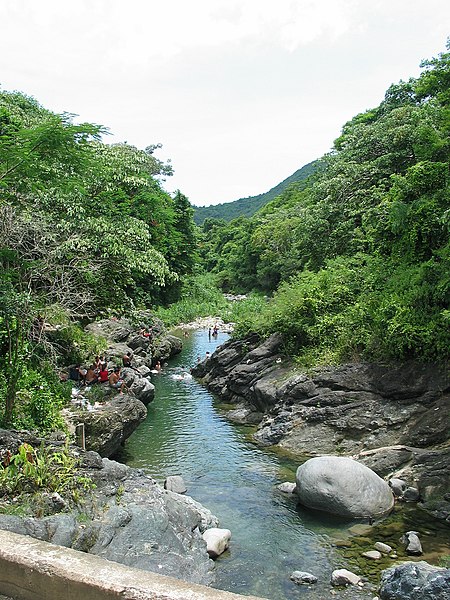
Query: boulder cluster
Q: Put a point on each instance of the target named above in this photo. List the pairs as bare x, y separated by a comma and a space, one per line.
392, 418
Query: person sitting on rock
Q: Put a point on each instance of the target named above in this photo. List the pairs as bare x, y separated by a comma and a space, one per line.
83, 372
116, 382
103, 375
91, 375
126, 359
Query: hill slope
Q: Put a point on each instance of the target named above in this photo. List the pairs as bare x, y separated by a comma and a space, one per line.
248, 206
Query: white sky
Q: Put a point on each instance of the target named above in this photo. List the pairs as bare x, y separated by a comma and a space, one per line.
241, 93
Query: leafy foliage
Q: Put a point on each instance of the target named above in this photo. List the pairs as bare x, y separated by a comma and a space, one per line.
31, 471
84, 227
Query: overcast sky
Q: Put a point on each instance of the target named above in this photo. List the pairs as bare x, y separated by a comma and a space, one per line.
241, 93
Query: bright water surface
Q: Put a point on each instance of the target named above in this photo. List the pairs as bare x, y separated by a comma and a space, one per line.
186, 434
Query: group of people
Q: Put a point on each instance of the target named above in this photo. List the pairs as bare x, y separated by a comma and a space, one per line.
98, 372
214, 332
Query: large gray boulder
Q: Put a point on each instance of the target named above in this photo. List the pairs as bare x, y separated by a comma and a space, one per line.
342, 486
128, 519
109, 425
415, 581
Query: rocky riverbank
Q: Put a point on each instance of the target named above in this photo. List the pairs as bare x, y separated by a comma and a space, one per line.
127, 518
109, 418
393, 418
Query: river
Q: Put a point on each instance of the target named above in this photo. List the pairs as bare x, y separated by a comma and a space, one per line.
186, 434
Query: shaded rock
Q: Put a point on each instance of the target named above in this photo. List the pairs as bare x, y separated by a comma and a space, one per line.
302, 577
413, 545
217, 541
411, 494
175, 483
344, 577
415, 581
398, 486
342, 486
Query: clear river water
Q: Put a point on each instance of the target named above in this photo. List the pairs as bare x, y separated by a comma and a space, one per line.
187, 434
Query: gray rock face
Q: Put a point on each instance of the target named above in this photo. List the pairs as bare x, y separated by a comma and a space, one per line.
139, 386
342, 486
129, 519
398, 413
107, 427
415, 581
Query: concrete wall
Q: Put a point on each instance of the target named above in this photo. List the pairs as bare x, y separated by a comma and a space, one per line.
34, 570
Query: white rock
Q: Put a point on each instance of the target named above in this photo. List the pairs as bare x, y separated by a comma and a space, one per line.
217, 541
384, 548
303, 577
287, 488
175, 483
344, 577
372, 554
414, 546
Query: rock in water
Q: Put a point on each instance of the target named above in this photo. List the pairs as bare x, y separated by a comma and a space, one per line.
342, 486
175, 483
217, 541
344, 577
415, 581
413, 545
303, 577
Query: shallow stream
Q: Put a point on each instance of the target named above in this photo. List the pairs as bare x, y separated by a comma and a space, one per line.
187, 434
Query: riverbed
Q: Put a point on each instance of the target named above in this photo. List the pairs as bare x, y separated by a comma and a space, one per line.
186, 433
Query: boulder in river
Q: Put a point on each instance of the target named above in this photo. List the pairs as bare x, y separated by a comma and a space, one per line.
343, 486
344, 577
175, 483
217, 541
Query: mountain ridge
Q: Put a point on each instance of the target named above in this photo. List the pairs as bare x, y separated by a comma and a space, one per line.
251, 204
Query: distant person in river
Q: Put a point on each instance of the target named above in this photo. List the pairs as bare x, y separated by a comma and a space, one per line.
116, 381
158, 366
215, 330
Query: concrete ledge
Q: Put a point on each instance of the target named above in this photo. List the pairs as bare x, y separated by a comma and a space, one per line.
34, 570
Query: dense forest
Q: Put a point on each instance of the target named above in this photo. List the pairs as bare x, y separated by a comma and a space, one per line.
352, 262
249, 206
85, 228
357, 260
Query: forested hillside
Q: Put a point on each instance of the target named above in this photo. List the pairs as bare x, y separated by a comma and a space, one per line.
85, 228
352, 262
247, 207
358, 262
